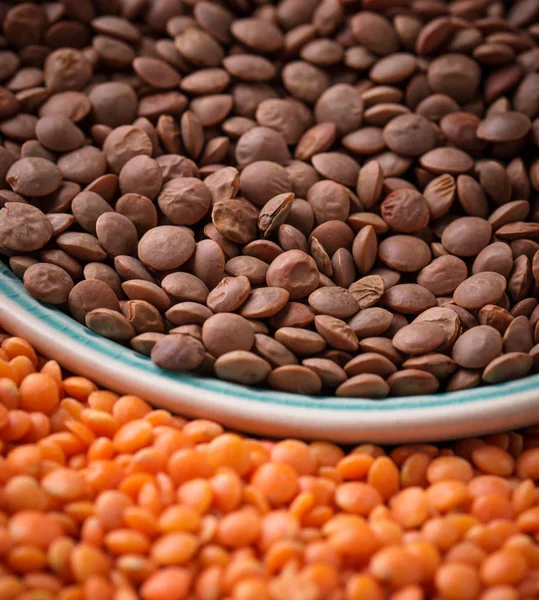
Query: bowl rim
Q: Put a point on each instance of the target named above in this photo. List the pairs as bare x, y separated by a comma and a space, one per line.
437, 416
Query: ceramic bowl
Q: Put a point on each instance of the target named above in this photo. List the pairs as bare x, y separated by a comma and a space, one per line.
346, 420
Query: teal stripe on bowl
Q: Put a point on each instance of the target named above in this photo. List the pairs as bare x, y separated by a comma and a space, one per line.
12, 288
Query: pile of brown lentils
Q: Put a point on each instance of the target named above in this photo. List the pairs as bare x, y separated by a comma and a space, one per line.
104, 498
313, 195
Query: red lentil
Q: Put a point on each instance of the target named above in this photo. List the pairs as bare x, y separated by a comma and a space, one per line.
22, 366
493, 460
103, 498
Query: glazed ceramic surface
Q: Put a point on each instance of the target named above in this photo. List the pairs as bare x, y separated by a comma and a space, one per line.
258, 411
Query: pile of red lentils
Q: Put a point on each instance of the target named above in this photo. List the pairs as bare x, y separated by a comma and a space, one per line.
104, 498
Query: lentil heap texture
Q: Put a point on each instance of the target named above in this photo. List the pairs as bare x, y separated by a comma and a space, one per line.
317, 196
103, 498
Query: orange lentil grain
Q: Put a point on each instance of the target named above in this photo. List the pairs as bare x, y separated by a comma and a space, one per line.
410, 507
129, 408
104, 475
186, 464
126, 541
387, 531
174, 548
149, 498
80, 511
25, 460
136, 568
490, 507
227, 488
458, 582
302, 504
466, 552
25, 558
326, 454
92, 532
355, 466
500, 592
18, 424
178, 518
208, 584
321, 551
523, 496
196, 493
441, 532
489, 484
228, 450
100, 422
325, 577
277, 481
33, 527
43, 581
527, 465
40, 427
277, 525
492, 535
363, 587
414, 470
449, 467
22, 492
9, 392
133, 436
7, 371
503, 567
384, 477
53, 369
297, 454
528, 521
281, 553
103, 400
427, 557
109, 508
202, 430
141, 520
317, 516
65, 485
84, 433
322, 489
10, 587
79, 387
493, 460
344, 539
330, 473
16, 346
170, 583
357, 498
254, 588
23, 367
98, 587
395, 566
409, 592
68, 442
445, 496
239, 528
